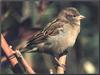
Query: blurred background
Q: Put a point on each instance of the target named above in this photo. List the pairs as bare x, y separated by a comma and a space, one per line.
22, 19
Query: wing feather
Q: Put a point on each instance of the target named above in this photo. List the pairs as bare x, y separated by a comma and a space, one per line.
50, 30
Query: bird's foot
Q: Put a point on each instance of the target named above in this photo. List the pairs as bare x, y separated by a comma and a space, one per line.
60, 65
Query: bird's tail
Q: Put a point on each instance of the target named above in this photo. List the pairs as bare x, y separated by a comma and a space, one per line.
25, 50
25, 47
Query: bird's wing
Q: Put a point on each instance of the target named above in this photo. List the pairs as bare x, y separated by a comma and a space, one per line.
51, 29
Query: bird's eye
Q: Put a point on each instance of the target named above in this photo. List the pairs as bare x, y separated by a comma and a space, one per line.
74, 15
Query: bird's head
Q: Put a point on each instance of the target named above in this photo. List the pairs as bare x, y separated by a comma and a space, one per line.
71, 14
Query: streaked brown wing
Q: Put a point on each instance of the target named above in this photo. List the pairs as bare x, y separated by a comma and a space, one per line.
51, 29
37, 38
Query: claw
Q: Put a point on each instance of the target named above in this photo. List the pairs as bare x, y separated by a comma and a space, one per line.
61, 65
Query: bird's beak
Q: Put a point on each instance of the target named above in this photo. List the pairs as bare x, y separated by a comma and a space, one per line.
82, 17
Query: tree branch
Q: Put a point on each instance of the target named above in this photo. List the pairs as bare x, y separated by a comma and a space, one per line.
12, 58
62, 61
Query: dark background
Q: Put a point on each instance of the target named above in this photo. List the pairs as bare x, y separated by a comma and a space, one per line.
21, 19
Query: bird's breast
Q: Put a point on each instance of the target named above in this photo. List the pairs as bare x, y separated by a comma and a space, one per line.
64, 39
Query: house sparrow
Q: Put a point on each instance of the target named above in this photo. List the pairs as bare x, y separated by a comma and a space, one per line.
58, 35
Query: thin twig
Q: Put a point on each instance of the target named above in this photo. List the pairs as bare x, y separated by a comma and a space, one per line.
10, 54
24, 63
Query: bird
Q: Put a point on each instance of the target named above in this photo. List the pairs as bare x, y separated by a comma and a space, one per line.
58, 35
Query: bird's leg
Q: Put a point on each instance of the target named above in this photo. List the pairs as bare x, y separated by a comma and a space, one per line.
61, 65
57, 61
